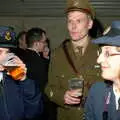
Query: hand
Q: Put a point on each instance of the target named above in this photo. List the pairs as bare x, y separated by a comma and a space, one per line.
46, 53
71, 97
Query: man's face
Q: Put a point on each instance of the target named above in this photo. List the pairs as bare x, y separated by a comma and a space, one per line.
3, 54
42, 43
78, 24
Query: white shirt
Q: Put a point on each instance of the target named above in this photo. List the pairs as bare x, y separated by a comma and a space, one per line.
1, 76
117, 96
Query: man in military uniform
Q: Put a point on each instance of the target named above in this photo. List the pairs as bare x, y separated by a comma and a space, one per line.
75, 58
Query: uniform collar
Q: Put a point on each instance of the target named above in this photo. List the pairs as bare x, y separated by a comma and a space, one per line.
77, 45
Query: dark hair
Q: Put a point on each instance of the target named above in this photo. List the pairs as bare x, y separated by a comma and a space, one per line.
34, 34
19, 36
97, 29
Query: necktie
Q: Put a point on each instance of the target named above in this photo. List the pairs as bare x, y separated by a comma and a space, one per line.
79, 50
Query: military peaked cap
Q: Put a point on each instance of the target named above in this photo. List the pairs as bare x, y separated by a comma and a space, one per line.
80, 5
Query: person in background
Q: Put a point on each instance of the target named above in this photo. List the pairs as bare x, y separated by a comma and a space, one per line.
19, 99
21, 45
46, 51
37, 66
97, 29
21, 37
103, 101
74, 60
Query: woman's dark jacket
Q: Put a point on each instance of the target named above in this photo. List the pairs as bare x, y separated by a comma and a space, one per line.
96, 104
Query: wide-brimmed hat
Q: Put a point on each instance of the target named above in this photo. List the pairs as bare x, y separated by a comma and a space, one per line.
112, 37
7, 37
80, 5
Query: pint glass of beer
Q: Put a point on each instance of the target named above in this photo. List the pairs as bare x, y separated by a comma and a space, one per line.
15, 71
76, 84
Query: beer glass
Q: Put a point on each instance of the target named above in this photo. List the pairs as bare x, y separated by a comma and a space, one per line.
76, 84
15, 71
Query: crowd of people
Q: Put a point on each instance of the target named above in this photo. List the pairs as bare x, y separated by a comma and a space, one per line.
66, 83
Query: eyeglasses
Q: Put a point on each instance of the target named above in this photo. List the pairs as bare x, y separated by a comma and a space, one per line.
107, 54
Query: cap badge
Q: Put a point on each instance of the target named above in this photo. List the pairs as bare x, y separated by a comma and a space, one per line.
8, 35
76, 3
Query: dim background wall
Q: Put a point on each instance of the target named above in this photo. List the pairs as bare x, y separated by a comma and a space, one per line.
49, 15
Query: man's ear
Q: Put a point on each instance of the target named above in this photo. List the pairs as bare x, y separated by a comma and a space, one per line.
90, 23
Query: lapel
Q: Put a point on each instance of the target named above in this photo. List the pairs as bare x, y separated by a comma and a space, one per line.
112, 106
114, 114
85, 61
75, 59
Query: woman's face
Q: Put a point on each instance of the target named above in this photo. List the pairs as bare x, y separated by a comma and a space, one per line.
109, 59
